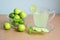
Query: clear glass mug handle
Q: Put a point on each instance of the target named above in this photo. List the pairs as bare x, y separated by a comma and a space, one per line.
52, 15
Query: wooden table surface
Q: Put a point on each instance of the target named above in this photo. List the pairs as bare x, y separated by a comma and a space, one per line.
14, 35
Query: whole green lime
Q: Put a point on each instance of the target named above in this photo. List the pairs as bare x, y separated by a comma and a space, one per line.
17, 10
22, 14
21, 21
14, 23
16, 20
11, 15
16, 17
7, 26
21, 28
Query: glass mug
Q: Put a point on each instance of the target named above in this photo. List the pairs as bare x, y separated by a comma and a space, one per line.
41, 20
41, 17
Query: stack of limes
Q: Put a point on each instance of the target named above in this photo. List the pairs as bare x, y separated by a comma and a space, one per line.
17, 17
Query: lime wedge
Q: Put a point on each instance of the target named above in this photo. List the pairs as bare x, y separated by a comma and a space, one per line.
33, 8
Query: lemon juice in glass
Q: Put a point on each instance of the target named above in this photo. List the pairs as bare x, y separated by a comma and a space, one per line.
41, 18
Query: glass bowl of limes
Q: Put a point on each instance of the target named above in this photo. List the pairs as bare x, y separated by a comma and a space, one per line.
16, 20
17, 17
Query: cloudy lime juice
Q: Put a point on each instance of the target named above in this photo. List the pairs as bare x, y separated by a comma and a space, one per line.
40, 19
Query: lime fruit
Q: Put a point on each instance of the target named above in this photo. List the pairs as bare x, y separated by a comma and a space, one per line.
30, 30
37, 29
14, 23
7, 26
11, 15
16, 20
21, 21
16, 17
44, 30
21, 28
17, 10
22, 14
33, 8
